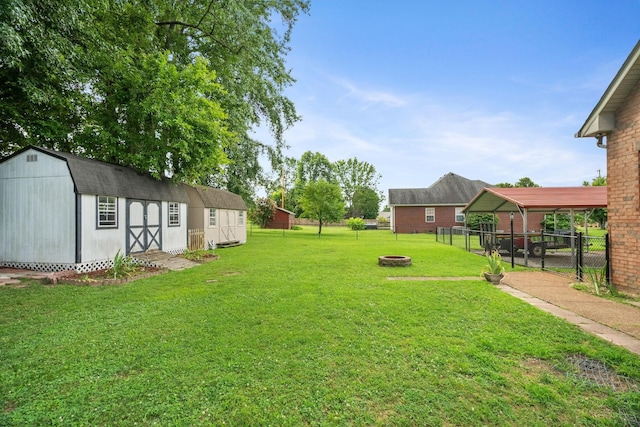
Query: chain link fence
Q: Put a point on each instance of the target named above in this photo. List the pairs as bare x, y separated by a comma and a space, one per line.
574, 256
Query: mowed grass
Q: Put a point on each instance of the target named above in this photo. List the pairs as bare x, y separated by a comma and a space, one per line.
291, 329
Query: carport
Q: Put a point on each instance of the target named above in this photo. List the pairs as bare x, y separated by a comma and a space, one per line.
538, 199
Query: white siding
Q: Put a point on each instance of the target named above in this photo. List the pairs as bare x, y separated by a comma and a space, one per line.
37, 210
101, 244
174, 239
227, 227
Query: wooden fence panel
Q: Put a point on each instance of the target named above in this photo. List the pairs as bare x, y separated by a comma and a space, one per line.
196, 239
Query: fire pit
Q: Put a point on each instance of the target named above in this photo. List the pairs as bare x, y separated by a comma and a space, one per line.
394, 261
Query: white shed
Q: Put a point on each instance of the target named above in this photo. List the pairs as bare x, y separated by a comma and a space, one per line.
221, 213
59, 211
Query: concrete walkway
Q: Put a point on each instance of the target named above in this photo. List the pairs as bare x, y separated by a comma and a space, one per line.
612, 321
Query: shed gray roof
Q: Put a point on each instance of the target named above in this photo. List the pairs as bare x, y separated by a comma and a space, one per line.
220, 199
107, 179
451, 189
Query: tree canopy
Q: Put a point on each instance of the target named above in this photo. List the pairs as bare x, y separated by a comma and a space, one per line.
358, 180
522, 182
162, 86
322, 200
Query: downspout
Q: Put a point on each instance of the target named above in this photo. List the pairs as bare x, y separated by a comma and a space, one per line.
599, 140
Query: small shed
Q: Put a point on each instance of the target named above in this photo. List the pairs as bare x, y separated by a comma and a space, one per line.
59, 211
220, 213
282, 219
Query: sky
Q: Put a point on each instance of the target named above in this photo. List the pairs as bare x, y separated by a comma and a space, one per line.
489, 90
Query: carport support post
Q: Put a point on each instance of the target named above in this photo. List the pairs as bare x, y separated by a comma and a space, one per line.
511, 218
526, 241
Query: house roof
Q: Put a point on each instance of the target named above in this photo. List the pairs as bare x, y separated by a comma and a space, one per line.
106, 179
220, 199
602, 118
285, 211
451, 189
538, 199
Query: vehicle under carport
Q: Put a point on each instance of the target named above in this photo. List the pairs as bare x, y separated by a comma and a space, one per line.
551, 200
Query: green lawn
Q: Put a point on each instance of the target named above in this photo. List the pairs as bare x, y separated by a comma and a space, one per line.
292, 329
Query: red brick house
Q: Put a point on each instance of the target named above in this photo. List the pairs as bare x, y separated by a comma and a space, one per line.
423, 210
615, 124
282, 219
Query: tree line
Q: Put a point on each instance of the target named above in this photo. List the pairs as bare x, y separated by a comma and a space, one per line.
314, 187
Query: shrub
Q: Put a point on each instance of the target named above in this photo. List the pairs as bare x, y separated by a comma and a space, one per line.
356, 224
494, 264
122, 265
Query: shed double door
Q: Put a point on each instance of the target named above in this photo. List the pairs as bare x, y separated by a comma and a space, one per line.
144, 225
228, 226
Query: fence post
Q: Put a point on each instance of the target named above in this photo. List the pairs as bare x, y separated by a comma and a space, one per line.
450, 236
607, 268
579, 260
467, 240
544, 249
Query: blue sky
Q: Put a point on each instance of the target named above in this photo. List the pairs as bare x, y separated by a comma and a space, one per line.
490, 90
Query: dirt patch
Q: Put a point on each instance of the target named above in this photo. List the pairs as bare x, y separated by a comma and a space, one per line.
103, 277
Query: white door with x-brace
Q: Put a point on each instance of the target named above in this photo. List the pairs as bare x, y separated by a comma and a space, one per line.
144, 225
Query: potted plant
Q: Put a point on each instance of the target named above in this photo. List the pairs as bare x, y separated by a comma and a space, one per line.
494, 271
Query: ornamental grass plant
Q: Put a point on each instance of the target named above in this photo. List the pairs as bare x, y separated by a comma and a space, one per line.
295, 329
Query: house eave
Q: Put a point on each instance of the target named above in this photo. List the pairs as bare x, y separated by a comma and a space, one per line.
601, 121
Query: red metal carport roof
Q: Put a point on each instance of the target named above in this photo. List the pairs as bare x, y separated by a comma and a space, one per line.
538, 199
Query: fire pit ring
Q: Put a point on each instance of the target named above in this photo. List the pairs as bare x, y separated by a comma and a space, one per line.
394, 261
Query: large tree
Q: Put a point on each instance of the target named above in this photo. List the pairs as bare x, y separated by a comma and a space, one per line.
312, 167
43, 48
322, 200
183, 82
365, 203
353, 176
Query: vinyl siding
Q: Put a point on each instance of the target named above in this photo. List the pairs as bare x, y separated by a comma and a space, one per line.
37, 213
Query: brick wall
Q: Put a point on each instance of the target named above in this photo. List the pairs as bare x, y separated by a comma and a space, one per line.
623, 198
410, 219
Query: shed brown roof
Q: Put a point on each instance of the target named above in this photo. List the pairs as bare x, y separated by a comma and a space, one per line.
540, 199
220, 199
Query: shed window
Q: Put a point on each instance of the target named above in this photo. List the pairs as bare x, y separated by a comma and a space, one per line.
107, 212
459, 215
430, 214
174, 214
241, 218
212, 217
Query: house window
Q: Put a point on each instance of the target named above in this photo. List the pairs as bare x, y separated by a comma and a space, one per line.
107, 212
212, 217
241, 218
459, 215
174, 214
430, 214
